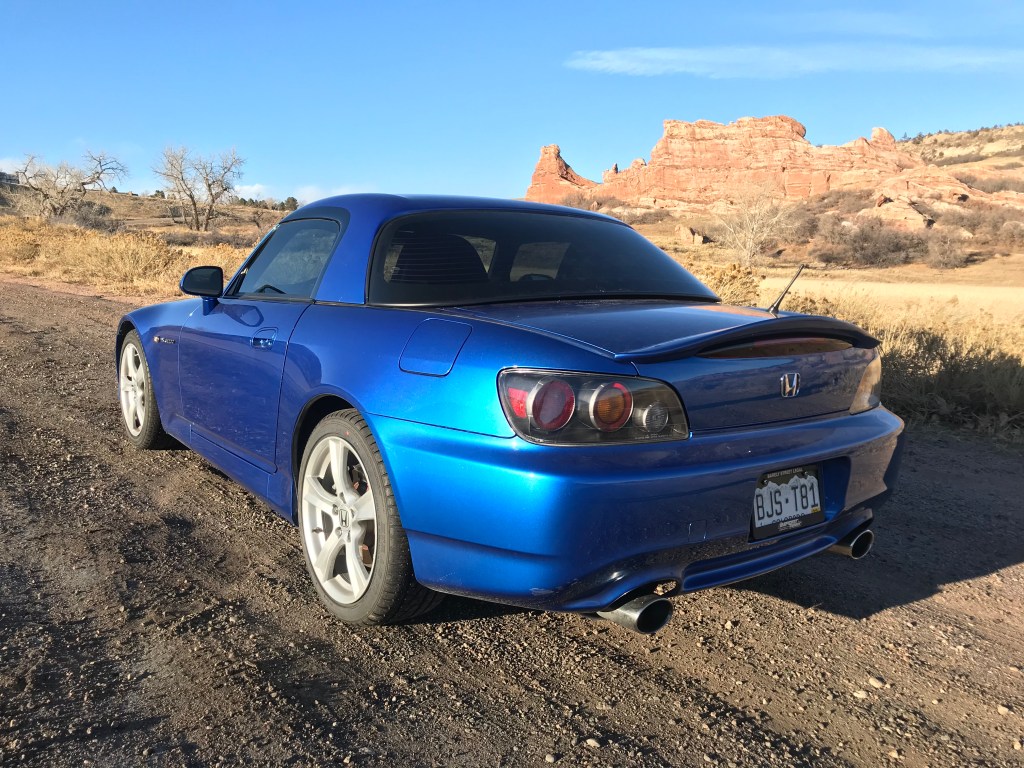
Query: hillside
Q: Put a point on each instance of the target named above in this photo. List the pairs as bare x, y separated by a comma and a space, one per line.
1000, 148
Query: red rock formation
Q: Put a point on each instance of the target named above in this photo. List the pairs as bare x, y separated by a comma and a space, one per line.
553, 179
695, 165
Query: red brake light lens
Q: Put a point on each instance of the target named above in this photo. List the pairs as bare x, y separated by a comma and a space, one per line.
551, 404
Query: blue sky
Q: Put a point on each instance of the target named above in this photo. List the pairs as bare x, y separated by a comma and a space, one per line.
324, 97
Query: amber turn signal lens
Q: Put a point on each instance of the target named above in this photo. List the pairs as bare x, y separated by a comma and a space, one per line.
610, 406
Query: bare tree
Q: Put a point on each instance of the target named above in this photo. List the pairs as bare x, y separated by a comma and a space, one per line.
55, 191
759, 220
199, 182
262, 217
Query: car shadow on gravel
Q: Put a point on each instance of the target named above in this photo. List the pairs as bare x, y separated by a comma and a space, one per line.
456, 610
956, 516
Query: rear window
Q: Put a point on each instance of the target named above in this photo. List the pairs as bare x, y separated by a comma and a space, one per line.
476, 257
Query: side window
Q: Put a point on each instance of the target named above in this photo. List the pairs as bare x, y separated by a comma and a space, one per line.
291, 261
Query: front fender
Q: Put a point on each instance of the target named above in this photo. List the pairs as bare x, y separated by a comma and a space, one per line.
158, 327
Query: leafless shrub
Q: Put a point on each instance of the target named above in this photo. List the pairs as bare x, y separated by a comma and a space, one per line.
607, 201
968, 157
991, 185
989, 223
843, 201
1012, 232
946, 250
868, 243
98, 216
760, 219
649, 216
178, 238
203, 239
233, 239
577, 199
804, 222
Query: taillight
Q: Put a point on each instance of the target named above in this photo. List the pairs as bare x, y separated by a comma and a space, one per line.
869, 391
579, 408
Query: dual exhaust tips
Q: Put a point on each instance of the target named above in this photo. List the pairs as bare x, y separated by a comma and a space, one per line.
649, 613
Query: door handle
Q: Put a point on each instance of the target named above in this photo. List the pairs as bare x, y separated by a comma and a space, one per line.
264, 338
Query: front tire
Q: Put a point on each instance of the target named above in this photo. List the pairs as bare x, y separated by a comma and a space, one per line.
139, 412
355, 548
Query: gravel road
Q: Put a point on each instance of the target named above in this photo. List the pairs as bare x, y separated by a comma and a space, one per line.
154, 614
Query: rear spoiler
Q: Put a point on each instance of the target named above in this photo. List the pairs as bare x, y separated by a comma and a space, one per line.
772, 328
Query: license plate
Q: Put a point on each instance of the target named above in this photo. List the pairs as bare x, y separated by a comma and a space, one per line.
787, 500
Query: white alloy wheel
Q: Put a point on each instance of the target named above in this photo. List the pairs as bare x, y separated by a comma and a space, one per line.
338, 517
355, 548
139, 411
134, 386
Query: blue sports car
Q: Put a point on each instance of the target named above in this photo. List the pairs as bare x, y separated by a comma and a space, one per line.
516, 402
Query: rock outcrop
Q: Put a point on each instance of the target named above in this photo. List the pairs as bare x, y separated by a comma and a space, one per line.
901, 200
698, 165
553, 180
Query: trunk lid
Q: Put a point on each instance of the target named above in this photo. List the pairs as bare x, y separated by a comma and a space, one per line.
732, 366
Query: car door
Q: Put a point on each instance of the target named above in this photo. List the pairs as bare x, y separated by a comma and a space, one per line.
231, 356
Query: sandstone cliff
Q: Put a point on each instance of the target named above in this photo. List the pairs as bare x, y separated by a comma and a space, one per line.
698, 165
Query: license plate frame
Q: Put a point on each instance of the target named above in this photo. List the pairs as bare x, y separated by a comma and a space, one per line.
787, 500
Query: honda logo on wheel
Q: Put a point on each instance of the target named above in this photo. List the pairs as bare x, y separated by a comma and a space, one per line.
790, 384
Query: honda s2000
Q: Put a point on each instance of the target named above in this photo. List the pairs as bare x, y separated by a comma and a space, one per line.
521, 403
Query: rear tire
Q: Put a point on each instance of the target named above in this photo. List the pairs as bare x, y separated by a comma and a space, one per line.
139, 412
355, 548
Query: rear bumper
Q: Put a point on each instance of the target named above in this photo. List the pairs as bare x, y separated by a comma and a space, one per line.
577, 529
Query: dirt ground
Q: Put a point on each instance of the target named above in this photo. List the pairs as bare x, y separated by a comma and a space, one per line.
154, 614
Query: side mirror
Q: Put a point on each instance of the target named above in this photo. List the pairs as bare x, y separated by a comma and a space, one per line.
207, 282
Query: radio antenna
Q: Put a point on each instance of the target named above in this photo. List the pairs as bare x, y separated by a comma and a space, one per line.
774, 308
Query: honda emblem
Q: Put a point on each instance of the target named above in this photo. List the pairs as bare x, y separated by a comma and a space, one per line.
790, 384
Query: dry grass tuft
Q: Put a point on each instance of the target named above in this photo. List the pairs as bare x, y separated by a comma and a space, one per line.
134, 263
733, 284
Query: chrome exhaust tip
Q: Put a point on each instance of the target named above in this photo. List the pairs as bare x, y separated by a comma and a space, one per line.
856, 545
645, 614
